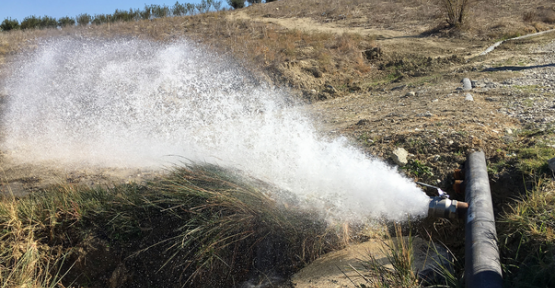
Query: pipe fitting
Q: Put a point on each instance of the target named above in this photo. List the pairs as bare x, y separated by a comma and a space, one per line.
440, 207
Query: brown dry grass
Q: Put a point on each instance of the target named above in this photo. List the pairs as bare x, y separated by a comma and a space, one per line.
312, 60
260, 46
486, 19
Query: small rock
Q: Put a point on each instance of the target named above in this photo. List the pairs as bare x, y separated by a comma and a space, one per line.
509, 131
435, 100
316, 72
373, 53
551, 163
410, 94
363, 122
400, 156
468, 97
508, 139
492, 99
467, 85
119, 276
435, 158
330, 89
397, 88
451, 142
427, 114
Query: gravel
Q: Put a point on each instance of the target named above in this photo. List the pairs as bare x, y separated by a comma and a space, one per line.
531, 96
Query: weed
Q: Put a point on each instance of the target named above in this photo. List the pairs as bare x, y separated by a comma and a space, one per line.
533, 160
527, 88
366, 139
399, 252
418, 169
528, 237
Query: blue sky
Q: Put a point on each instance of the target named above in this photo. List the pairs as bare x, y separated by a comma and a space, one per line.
20, 9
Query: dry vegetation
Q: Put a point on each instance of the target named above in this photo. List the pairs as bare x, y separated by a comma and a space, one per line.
200, 226
487, 19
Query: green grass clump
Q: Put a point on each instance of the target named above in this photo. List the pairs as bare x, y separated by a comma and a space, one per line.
534, 159
527, 238
418, 169
201, 225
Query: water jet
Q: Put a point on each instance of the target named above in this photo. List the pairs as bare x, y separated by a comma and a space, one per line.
133, 103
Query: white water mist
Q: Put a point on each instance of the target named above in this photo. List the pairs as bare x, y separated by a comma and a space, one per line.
131, 103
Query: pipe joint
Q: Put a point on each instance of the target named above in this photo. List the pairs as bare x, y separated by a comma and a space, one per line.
441, 207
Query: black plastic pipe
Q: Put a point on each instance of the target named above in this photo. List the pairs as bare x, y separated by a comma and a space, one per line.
483, 268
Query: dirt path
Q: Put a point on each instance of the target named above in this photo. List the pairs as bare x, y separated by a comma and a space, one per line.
390, 40
310, 25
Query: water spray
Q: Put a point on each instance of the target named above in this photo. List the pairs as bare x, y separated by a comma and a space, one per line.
129, 104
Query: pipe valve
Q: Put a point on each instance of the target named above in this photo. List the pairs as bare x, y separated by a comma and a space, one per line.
442, 207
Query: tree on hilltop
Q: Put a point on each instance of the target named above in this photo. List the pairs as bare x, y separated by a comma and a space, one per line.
236, 4
9, 24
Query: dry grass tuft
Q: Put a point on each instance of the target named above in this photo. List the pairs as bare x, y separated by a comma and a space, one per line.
200, 226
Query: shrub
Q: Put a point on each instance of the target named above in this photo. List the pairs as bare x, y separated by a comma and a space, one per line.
145, 14
124, 16
204, 6
9, 24
30, 22
83, 19
190, 9
236, 4
48, 22
456, 11
160, 11
66, 21
178, 9
101, 19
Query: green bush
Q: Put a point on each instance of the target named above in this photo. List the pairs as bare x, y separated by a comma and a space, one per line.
236, 4
101, 19
178, 9
83, 19
190, 9
48, 22
145, 14
9, 24
66, 21
203, 6
160, 11
124, 16
30, 22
